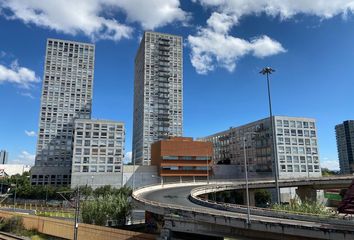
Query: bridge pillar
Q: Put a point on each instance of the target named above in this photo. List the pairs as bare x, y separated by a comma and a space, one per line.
306, 193
165, 234
251, 193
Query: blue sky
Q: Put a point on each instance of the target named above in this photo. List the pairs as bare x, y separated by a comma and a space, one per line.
226, 43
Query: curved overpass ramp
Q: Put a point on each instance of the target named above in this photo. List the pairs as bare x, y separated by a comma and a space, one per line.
182, 215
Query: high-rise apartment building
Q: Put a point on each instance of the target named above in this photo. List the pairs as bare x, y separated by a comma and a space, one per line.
4, 155
66, 96
98, 153
158, 97
296, 147
345, 146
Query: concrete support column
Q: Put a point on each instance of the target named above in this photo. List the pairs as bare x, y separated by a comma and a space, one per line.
251, 193
165, 234
306, 193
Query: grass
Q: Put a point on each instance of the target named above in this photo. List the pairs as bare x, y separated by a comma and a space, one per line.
56, 214
306, 207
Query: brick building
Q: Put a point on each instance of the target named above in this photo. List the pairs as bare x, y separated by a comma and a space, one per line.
182, 157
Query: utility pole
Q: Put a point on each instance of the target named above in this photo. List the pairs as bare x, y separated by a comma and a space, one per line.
267, 71
77, 213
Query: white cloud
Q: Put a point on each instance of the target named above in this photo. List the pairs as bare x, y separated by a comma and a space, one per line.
94, 18
127, 157
285, 9
24, 158
30, 133
27, 94
21, 76
213, 46
330, 164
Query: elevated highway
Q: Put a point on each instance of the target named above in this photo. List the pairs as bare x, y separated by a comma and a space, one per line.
200, 216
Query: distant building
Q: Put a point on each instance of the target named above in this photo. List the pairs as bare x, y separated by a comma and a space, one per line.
4, 155
158, 96
182, 157
66, 96
345, 146
98, 153
296, 144
7, 170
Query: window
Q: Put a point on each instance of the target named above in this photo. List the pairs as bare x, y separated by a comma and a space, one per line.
309, 159
287, 141
296, 159
314, 151
313, 142
299, 133
293, 132
289, 159
86, 160
286, 132
109, 168
288, 150
86, 151
303, 168
301, 141
279, 123
307, 142
282, 168
290, 168
281, 149
78, 151
308, 150
295, 150
313, 133
306, 124
282, 159
298, 124
280, 132
296, 168
292, 124
87, 143
293, 141
301, 150
93, 169
85, 168
102, 160
286, 123
302, 159
306, 133
101, 168
312, 125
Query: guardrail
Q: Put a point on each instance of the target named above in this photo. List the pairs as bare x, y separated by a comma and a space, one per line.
193, 197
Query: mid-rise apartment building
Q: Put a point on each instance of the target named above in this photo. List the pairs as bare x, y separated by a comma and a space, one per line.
4, 155
296, 147
345, 146
98, 153
182, 157
158, 96
66, 96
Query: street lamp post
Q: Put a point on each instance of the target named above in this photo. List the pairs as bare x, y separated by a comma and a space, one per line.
207, 164
267, 71
134, 156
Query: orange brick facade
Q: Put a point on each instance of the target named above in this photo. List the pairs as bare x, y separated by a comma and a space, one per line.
181, 156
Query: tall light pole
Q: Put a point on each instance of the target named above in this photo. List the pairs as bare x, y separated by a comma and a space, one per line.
134, 156
267, 71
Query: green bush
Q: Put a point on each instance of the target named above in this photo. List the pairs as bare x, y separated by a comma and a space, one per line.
12, 225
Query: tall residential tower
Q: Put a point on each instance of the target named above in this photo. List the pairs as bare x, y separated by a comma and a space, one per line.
345, 145
158, 97
66, 96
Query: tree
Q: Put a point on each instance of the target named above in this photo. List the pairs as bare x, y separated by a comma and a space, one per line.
106, 207
262, 197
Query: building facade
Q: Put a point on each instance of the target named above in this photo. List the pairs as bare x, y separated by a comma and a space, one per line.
345, 146
296, 147
158, 92
4, 155
98, 153
66, 96
182, 157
